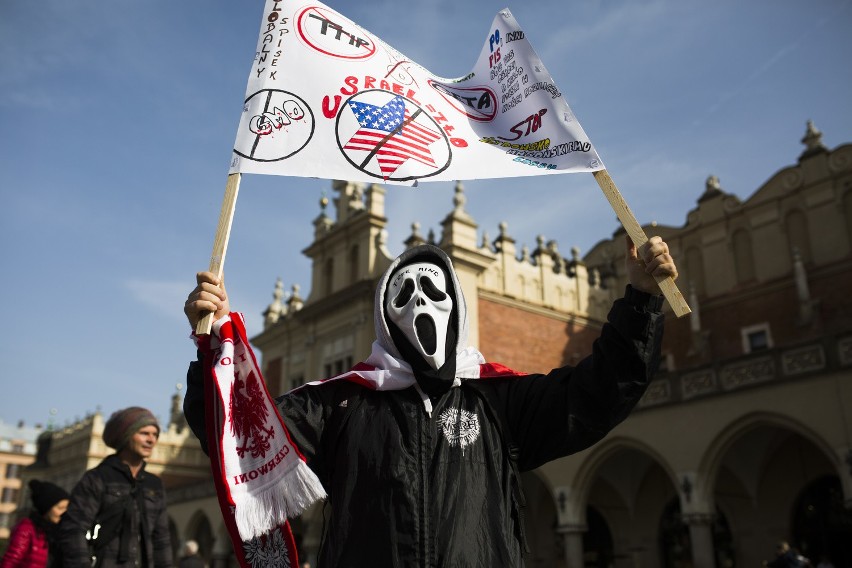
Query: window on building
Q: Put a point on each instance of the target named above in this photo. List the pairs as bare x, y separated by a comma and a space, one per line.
4, 520
272, 373
743, 256
328, 276
756, 338
13, 471
10, 495
338, 366
694, 269
798, 235
353, 264
17, 448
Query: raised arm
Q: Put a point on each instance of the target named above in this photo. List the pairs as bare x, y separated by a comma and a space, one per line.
571, 408
209, 295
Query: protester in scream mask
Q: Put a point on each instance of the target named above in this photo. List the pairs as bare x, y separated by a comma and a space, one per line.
419, 448
419, 302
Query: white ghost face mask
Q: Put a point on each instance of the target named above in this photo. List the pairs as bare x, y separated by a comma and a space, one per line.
418, 304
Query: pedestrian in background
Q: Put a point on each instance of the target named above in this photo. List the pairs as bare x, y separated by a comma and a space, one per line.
190, 557
32, 542
121, 505
787, 557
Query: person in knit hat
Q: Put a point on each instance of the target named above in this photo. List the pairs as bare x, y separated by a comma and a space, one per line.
127, 502
31, 541
123, 424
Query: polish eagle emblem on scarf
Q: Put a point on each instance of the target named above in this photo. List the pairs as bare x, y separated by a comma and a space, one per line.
268, 552
249, 417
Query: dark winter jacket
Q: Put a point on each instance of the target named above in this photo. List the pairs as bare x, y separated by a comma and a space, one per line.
789, 559
131, 512
407, 487
194, 561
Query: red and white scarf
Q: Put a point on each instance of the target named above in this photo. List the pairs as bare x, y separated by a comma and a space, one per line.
261, 477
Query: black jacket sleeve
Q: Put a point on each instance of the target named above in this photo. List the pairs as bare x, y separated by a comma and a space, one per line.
193, 401
83, 507
552, 415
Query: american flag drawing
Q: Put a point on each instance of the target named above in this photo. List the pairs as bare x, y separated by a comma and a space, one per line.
391, 134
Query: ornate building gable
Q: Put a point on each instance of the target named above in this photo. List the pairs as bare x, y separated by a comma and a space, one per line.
765, 271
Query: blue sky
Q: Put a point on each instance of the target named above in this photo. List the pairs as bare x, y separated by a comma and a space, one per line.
117, 121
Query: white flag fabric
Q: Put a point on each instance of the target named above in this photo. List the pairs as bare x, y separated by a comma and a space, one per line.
328, 99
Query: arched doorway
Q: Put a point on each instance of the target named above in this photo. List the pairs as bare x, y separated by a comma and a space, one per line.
627, 494
597, 541
202, 533
675, 544
821, 524
540, 522
760, 477
307, 532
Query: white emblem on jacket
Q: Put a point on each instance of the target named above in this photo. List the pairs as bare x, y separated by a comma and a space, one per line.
460, 427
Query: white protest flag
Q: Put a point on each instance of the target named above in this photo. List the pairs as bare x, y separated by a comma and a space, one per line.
328, 99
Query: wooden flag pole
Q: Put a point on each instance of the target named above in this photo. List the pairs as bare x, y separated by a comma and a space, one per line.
634, 230
220, 242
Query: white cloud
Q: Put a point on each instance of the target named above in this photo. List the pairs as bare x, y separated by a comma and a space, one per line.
608, 24
164, 297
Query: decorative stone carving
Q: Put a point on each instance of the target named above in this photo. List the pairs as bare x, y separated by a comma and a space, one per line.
803, 360
698, 383
748, 373
658, 392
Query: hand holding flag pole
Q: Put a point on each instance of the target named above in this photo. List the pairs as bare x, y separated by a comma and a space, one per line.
634, 230
220, 242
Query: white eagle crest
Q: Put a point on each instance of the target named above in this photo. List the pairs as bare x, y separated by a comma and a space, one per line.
460, 427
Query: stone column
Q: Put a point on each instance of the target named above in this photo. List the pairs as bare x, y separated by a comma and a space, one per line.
701, 537
572, 544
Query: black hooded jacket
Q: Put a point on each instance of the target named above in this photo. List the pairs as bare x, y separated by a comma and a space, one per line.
410, 487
